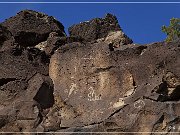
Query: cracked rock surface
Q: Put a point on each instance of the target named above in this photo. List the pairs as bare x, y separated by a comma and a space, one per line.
30, 27
95, 80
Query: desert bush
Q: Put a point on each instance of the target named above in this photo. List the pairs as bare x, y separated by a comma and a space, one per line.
173, 30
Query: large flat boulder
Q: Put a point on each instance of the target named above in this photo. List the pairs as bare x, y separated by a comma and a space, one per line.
95, 84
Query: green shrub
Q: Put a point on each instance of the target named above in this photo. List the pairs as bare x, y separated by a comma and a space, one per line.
173, 30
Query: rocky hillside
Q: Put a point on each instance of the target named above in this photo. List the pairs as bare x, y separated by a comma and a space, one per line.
95, 80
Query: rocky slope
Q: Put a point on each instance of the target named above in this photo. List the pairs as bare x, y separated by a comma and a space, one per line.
95, 80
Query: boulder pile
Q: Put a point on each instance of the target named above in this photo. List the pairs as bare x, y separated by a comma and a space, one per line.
95, 80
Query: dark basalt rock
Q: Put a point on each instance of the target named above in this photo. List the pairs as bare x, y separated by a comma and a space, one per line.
4, 35
113, 89
30, 27
95, 28
17, 68
54, 42
93, 81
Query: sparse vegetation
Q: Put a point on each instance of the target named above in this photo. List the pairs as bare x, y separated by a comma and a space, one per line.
173, 30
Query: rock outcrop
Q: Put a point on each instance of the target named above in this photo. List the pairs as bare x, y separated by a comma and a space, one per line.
29, 27
53, 42
117, 89
96, 80
4, 34
99, 28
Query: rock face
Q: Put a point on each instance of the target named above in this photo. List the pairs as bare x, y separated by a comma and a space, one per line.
95, 82
29, 27
4, 34
118, 89
97, 28
53, 42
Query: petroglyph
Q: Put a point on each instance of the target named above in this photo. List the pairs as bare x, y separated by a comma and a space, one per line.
129, 93
73, 87
92, 96
119, 103
139, 104
86, 58
104, 80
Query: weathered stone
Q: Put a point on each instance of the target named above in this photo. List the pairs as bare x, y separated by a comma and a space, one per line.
54, 42
3, 121
68, 84
30, 27
169, 89
4, 35
99, 83
28, 110
117, 39
97, 28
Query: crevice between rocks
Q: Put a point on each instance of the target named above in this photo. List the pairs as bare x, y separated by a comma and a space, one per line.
118, 110
98, 70
4, 81
169, 89
44, 99
144, 97
45, 96
100, 122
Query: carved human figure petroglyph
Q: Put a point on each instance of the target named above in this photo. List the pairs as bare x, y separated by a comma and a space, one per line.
92, 96
73, 87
